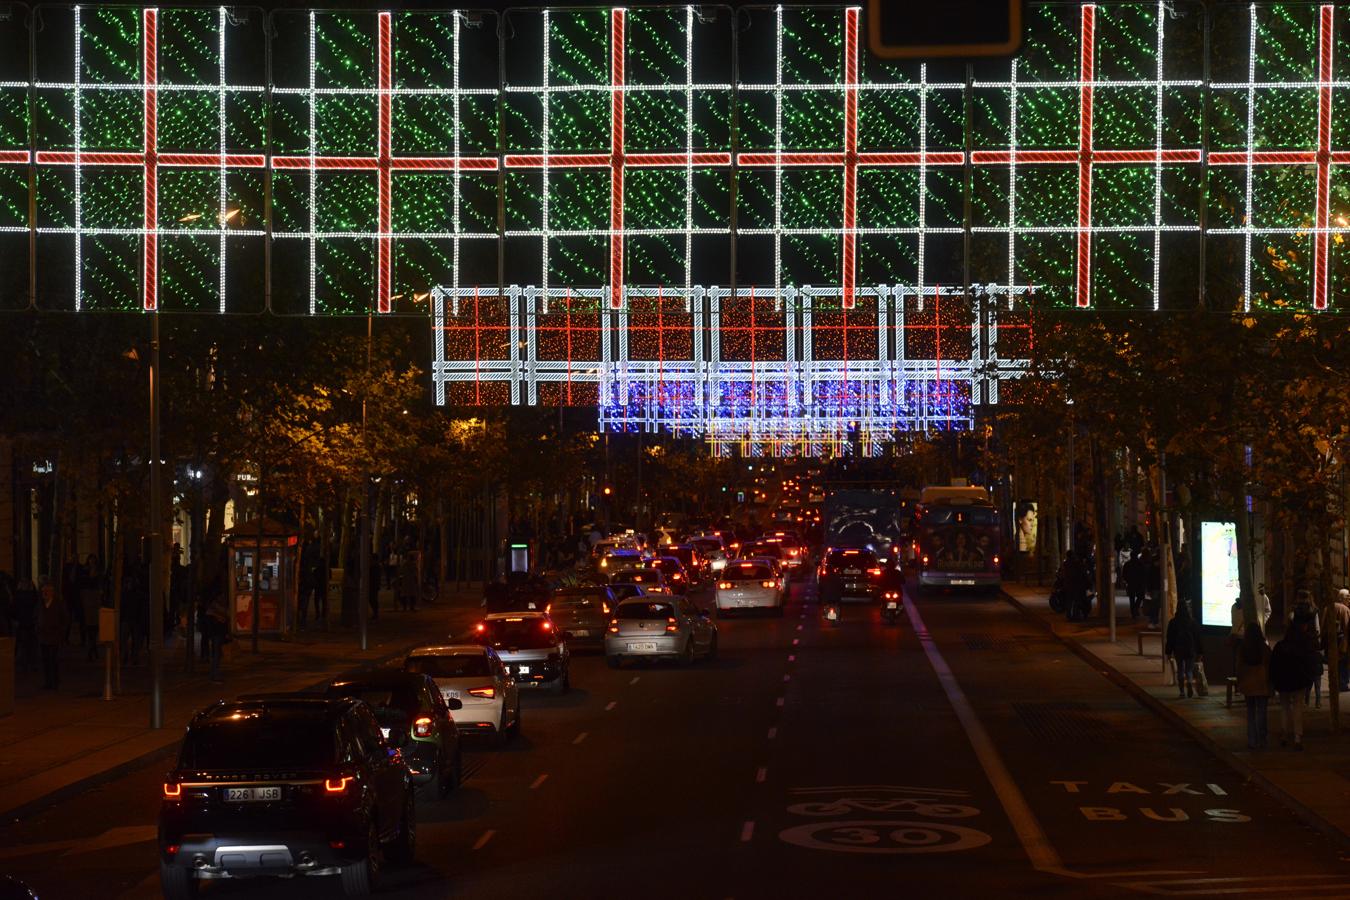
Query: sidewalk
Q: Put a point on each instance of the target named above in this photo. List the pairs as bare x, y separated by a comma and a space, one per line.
1314, 783
60, 742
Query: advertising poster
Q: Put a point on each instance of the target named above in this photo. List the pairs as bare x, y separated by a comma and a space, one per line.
1218, 572
1025, 524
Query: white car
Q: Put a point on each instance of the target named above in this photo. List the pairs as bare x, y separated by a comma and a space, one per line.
750, 584
475, 676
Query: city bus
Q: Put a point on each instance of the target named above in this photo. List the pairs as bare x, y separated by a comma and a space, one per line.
956, 537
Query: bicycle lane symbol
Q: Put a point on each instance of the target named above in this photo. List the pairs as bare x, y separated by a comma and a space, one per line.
869, 820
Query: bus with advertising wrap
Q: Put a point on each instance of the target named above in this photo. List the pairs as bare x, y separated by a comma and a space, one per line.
956, 536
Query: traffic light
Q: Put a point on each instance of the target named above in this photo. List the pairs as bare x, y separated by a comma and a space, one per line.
952, 28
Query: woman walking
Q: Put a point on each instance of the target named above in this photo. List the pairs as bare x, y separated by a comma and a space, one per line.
1253, 680
1183, 645
1294, 666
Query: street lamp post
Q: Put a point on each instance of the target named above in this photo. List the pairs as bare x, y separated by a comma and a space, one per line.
156, 600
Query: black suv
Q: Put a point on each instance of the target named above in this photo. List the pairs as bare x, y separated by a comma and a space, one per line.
848, 573
285, 785
414, 718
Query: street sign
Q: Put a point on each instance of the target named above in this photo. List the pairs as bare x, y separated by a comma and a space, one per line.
959, 28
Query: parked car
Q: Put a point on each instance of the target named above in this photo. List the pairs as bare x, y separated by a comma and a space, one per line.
476, 677
416, 718
285, 785
660, 628
531, 647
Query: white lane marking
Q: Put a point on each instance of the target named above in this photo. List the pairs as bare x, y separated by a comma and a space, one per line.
538, 781
787, 677
747, 832
581, 737
773, 732
796, 641
792, 657
799, 627
635, 680
761, 775
482, 841
610, 705
1035, 843
780, 700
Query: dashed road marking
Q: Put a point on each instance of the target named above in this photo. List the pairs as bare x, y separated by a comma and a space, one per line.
796, 641
635, 679
538, 781
787, 677
799, 627
780, 700
482, 841
610, 705
761, 775
581, 737
747, 832
792, 657
773, 732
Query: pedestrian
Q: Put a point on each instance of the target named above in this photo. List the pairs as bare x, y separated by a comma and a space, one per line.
1153, 582
26, 603
407, 581
1253, 680
135, 613
1237, 633
1135, 576
215, 630
1183, 645
1303, 619
1294, 666
1341, 616
53, 624
91, 601
1073, 581
1262, 607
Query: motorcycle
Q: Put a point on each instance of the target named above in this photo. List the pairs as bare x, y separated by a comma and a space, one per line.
890, 606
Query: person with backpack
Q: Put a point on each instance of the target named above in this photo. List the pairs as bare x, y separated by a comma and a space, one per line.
1294, 666
1183, 645
1253, 680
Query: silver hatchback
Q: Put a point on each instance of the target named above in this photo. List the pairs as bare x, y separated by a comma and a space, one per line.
660, 627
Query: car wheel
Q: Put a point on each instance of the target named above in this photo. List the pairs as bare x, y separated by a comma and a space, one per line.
565, 684
613, 661
712, 647
514, 730
447, 779
177, 882
361, 878
404, 847
687, 655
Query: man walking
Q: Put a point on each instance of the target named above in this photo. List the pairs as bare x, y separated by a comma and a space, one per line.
53, 623
1135, 577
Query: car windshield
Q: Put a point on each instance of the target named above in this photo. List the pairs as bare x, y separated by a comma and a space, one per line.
747, 573
521, 634
705, 546
646, 611
449, 665
772, 551
624, 591
851, 559
576, 601
261, 738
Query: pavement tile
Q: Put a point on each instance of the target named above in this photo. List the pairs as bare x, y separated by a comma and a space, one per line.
1315, 780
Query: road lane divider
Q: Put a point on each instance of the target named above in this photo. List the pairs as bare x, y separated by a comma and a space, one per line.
483, 840
581, 737
610, 705
534, 785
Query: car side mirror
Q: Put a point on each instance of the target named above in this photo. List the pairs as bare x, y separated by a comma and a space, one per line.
454, 704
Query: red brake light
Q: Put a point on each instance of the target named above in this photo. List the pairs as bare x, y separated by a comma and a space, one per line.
487, 692
422, 726
672, 625
548, 607
171, 849
925, 559
724, 585
172, 791
336, 785
614, 626
480, 627
604, 607
995, 559
768, 584
547, 626
874, 571
678, 577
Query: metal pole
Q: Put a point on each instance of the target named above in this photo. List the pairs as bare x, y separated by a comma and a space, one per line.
156, 601
1164, 552
363, 586
257, 564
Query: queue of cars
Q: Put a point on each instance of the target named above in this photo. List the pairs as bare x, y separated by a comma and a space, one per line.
324, 783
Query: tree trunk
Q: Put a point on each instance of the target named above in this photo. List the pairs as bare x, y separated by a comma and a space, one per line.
1106, 595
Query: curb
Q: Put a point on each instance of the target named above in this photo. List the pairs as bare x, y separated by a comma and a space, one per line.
1248, 772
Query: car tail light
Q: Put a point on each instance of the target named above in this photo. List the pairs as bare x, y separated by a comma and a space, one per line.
672, 625
172, 791
336, 785
547, 626
995, 559
614, 626
422, 726
487, 692
604, 607
925, 559
480, 628
793, 552
892, 595
724, 585
874, 572
338, 845
548, 607
768, 584
678, 577
171, 849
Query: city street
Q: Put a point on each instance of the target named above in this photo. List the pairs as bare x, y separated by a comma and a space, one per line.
962, 752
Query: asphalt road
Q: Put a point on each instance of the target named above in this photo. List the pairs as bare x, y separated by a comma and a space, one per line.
958, 753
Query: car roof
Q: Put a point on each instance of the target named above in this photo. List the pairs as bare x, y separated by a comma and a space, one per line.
648, 598
380, 678
319, 704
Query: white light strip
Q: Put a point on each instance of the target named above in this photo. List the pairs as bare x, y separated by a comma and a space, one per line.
1075, 85
79, 199
672, 88
777, 160
1251, 132
220, 105
543, 197
923, 172
313, 138
456, 125
377, 92
166, 88
689, 154
1012, 181
1157, 165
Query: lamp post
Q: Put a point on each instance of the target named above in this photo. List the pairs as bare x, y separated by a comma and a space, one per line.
156, 600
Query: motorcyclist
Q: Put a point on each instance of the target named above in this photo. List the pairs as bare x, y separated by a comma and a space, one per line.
892, 591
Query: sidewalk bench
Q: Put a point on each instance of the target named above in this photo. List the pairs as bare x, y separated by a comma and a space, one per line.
1149, 633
